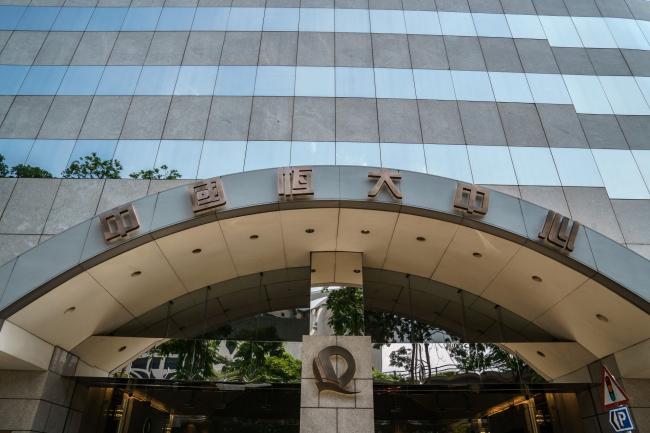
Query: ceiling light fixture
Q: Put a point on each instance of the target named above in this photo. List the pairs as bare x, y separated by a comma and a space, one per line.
310, 230
537, 278
421, 238
365, 231
196, 251
477, 254
602, 318
253, 237
540, 353
70, 310
136, 273
357, 271
121, 349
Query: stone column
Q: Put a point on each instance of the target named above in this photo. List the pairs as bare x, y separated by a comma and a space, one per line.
329, 411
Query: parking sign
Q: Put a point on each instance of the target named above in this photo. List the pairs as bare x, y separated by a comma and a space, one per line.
620, 419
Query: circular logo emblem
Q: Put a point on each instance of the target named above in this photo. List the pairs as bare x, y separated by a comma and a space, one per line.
325, 374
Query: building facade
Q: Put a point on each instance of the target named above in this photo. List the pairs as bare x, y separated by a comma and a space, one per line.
494, 154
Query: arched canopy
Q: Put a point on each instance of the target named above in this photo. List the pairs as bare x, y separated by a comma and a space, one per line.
575, 304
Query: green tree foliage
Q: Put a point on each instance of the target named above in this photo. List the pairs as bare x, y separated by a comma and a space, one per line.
346, 310
23, 170
4, 170
162, 172
196, 358
93, 167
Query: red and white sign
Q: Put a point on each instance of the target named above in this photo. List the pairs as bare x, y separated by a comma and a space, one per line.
613, 394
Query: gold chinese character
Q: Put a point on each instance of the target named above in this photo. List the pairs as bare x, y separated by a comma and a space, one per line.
295, 181
119, 222
556, 230
385, 177
207, 194
471, 198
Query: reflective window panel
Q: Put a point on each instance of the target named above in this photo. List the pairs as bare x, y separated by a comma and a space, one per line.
211, 19
548, 89
40, 18
119, 80
51, 155
352, 153
355, 82
136, 155
624, 95
157, 80
627, 34
313, 153
81, 80
102, 148
176, 19
281, 19
267, 154
448, 160
221, 157
560, 31
387, 21
196, 80
314, 81
141, 19
620, 174
587, 94
456, 24
594, 32
491, 165
352, 20
246, 19
107, 19
510, 87
275, 81
42, 80
235, 81
433, 84
491, 25
472, 86
15, 151
72, 19
576, 167
525, 27
316, 20
394, 83
534, 166
403, 156
422, 23
12, 78
181, 155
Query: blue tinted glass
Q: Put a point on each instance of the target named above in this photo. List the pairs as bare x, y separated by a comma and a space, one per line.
548, 89
38, 18
314, 81
72, 19
624, 96
51, 155
313, 153
593, 32
644, 85
394, 83
433, 84
352, 20
235, 81
11, 77
107, 20
157, 80
627, 34
472, 86
42, 80
15, 151
448, 160
141, 19
491, 25
491, 165
81, 80
267, 154
456, 24
534, 166
281, 20
136, 155
316, 20
525, 26
275, 81
211, 19
560, 31
246, 19
587, 94
620, 174
576, 167
510, 87
382, 21
355, 82
364, 154
403, 156
9, 16
176, 19
181, 155
221, 157
102, 148
642, 158
196, 80
119, 80
422, 23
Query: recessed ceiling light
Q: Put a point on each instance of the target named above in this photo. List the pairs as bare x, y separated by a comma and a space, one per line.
602, 318
121, 349
477, 254
357, 271
421, 238
70, 310
313, 270
540, 353
196, 251
537, 278
136, 273
310, 230
365, 231
253, 236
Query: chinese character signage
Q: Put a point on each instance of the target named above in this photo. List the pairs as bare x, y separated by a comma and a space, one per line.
295, 181
559, 231
207, 194
471, 198
119, 222
385, 178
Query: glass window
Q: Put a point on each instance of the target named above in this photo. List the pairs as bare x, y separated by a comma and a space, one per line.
119, 80
387, 21
157, 80
211, 19
624, 95
38, 18
246, 19
42, 80
560, 31
364, 154
491, 25
314, 81
51, 155
72, 19
472, 86
15, 151
642, 158
534, 166
645, 28
107, 19
221, 157
267, 154
510, 87
594, 32
433, 84
403, 156
275, 81
525, 26
448, 160
103, 148
576, 167
457, 24
141, 19
313, 153
196, 80
11, 77
620, 174
587, 94
491, 165
136, 155
548, 89
176, 19
316, 20
355, 82
352, 20
9, 16
627, 34
394, 83
235, 81
644, 85
422, 23
181, 155
81, 80
281, 20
